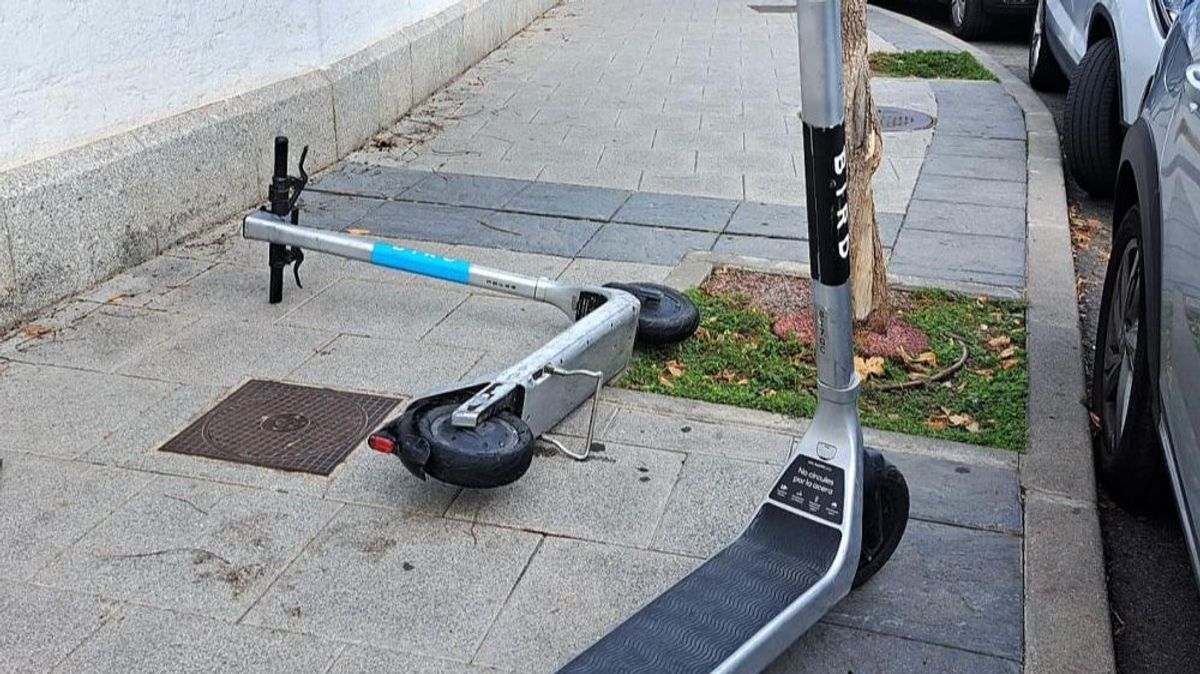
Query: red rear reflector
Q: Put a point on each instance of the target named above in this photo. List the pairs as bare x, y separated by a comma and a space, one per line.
382, 443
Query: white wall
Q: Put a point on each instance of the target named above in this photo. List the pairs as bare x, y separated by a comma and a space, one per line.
72, 71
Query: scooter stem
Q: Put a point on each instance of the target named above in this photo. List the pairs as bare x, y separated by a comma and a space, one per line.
820, 34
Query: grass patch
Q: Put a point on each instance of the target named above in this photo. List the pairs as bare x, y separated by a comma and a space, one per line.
736, 359
928, 64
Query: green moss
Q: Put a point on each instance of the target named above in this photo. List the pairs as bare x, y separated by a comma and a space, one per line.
944, 65
735, 359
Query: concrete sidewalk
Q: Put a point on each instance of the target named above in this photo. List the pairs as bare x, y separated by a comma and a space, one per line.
610, 141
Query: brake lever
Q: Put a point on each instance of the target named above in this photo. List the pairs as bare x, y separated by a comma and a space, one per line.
297, 184
297, 256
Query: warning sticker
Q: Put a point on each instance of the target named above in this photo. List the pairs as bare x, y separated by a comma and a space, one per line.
812, 486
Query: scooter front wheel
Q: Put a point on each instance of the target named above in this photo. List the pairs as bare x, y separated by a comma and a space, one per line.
666, 316
493, 453
885, 517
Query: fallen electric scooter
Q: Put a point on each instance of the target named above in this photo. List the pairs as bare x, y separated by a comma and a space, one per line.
481, 433
837, 511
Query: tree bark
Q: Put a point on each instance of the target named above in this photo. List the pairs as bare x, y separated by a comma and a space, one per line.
864, 148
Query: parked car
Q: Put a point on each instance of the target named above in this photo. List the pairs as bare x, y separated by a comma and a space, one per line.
1107, 49
973, 19
1146, 379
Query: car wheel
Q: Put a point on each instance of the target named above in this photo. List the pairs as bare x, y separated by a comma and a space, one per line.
968, 19
1044, 73
1092, 120
1129, 458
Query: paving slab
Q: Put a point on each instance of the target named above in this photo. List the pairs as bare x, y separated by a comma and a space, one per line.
427, 222
41, 626
1012, 169
679, 434
384, 366
373, 479
335, 211
977, 148
572, 201
224, 352
534, 233
145, 641
561, 496
572, 593
233, 291
399, 581
967, 257
357, 659
530, 264
676, 212
975, 191
945, 585
599, 272
201, 547
144, 283
498, 324
712, 501
465, 190
368, 180
828, 648
762, 247
47, 397
940, 216
649, 245
45, 504
773, 220
375, 310
103, 340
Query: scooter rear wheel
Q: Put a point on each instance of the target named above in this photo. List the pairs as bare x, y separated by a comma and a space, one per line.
889, 499
496, 452
667, 316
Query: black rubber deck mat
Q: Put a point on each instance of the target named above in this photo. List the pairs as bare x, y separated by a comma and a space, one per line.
284, 426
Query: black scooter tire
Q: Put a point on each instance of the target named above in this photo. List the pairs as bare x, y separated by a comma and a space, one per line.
889, 496
671, 318
496, 452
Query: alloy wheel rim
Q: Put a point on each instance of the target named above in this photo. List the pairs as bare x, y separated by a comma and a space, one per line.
958, 10
1035, 40
1121, 343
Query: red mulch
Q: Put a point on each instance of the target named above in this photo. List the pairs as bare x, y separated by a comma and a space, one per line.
787, 300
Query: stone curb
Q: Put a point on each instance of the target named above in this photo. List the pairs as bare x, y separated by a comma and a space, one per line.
76, 218
1067, 625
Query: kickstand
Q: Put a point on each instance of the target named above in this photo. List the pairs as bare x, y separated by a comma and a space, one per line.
587, 448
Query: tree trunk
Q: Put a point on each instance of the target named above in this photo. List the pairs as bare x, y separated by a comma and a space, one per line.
864, 147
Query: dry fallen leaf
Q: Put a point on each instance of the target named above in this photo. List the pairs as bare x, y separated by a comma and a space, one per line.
1010, 363
675, 368
937, 424
999, 342
666, 382
866, 368
358, 231
36, 331
986, 373
1009, 352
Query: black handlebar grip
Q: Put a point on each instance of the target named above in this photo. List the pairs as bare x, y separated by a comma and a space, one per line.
281, 156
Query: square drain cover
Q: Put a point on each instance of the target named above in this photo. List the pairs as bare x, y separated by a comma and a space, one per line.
284, 426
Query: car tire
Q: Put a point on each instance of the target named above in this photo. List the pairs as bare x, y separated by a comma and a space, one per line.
1044, 71
1129, 457
1092, 130
968, 19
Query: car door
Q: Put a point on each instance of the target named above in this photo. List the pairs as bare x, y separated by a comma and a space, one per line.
1179, 171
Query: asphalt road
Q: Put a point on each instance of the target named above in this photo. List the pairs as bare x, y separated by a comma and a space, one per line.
1153, 593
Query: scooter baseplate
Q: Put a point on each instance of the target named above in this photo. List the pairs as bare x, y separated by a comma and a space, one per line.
700, 622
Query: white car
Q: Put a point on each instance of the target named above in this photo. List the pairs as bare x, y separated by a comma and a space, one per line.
1108, 49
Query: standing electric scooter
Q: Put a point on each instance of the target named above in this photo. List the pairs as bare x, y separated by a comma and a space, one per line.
481, 433
837, 511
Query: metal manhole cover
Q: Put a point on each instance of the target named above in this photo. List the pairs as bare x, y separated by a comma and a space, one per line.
903, 119
284, 426
774, 9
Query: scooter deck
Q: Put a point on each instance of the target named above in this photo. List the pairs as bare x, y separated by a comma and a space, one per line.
708, 615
